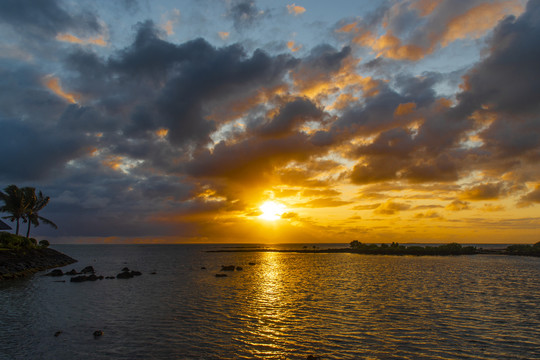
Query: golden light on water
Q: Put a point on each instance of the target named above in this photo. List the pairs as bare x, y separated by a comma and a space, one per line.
272, 210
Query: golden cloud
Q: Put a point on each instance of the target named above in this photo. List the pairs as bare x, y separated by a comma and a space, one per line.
295, 9
53, 84
100, 41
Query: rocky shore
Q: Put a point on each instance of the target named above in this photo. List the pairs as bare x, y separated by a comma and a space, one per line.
16, 264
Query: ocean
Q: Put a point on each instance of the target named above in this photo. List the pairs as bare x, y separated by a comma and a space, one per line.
286, 306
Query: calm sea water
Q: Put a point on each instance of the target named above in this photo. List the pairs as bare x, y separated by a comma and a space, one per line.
287, 306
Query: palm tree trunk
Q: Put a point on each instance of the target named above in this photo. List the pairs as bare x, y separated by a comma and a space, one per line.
17, 228
28, 231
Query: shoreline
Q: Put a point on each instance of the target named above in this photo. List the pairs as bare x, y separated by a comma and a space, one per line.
501, 251
17, 264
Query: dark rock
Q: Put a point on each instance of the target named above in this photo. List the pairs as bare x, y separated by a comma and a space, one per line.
81, 278
110, 277
125, 269
100, 277
312, 357
124, 275
55, 272
60, 281
153, 273
252, 263
203, 268
88, 269
221, 275
98, 333
136, 273
71, 272
56, 334
227, 268
92, 277
239, 268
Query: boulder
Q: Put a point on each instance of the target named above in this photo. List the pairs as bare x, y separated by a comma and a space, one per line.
239, 268
71, 272
227, 268
110, 277
81, 278
55, 272
56, 334
221, 275
203, 268
88, 269
124, 275
125, 269
252, 263
98, 333
135, 273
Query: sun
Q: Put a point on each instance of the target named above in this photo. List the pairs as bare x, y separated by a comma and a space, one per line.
271, 210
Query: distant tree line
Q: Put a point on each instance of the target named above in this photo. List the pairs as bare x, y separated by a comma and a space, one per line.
528, 250
397, 249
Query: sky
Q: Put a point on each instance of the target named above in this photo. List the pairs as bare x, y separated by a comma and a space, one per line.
251, 121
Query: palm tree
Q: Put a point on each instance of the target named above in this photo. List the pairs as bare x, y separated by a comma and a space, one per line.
14, 203
34, 205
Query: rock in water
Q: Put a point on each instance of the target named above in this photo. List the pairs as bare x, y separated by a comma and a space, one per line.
88, 269
98, 333
81, 278
221, 275
124, 275
239, 268
55, 272
227, 268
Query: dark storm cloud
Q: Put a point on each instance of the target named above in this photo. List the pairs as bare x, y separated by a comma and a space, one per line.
244, 13
45, 18
292, 114
484, 192
502, 80
252, 159
31, 153
154, 83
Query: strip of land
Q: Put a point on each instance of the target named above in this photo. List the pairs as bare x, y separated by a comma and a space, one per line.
15, 264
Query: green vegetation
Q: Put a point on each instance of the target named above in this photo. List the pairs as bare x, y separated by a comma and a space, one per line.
528, 250
396, 249
24, 203
16, 242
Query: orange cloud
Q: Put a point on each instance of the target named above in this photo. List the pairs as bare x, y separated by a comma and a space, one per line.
475, 22
391, 47
53, 84
100, 41
295, 9
224, 35
173, 18
113, 162
405, 109
161, 133
292, 47
425, 7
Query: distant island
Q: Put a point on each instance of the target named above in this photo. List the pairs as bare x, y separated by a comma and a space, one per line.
357, 247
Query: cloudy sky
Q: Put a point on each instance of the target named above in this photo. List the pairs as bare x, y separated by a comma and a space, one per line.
273, 121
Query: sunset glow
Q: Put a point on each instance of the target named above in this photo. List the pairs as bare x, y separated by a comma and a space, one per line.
412, 121
271, 210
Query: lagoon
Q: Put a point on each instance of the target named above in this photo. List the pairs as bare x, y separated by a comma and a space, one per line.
286, 306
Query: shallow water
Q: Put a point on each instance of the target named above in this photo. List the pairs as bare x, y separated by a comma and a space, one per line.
287, 306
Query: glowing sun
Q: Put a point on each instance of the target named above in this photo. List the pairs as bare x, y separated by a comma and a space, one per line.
271, 210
